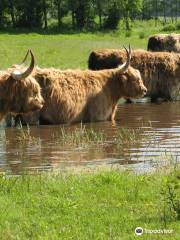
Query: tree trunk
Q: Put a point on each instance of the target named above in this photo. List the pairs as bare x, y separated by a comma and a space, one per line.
176, 10
81, 15
73, 16
100, 14
172, 14
1, 16
11, 6
100, 19
59, 13
156, 12
127, 20
164, 11
143, 12
45, 14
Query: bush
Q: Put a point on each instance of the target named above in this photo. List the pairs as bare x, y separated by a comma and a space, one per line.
141, 35
171, 194
128, 34
169, 27
178, 26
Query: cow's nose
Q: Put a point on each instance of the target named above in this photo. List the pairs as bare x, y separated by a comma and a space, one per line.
144, 91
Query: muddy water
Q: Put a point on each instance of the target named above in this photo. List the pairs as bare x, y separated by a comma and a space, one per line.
41, 149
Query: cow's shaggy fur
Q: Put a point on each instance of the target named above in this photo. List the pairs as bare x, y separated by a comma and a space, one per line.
18, 96
160, 71
76, 95
164, 42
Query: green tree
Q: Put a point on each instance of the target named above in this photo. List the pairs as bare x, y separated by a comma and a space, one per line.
72, 8
29, 13
84, 13
129, 8
12, 12
112, 15
100, 8
3, 9
61, 9
45, 5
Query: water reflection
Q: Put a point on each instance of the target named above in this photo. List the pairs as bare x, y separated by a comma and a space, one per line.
43, 150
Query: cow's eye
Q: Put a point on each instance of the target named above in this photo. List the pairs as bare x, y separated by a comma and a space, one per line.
35, 93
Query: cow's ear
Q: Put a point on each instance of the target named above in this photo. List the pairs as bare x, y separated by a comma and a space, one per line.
16, 74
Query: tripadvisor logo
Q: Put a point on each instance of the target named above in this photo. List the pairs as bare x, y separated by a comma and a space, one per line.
139, 231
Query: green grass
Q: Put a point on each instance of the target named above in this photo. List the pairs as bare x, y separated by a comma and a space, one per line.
62, 51
70, 50
100, 205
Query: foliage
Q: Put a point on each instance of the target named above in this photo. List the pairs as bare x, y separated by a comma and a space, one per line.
169, 27
83, 13
178, 26
113, 17
141, 35
171, 194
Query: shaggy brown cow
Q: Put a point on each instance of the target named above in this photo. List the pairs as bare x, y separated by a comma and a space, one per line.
76, 95
19, 92
160, 71
164, 42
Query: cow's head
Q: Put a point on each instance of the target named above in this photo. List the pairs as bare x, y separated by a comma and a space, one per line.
131, 82
19, 91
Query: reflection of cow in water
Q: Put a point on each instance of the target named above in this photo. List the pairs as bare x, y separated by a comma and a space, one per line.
164, 42
19, 92
76, 95
160, 71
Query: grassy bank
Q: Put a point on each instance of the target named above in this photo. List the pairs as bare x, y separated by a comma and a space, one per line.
71, 49
101, 205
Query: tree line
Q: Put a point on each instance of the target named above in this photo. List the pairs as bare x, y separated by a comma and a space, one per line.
84, 13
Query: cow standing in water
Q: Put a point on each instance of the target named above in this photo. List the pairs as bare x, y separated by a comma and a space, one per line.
85, 96
160, 71
19, 91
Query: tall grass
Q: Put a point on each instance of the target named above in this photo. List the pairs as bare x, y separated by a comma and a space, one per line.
79, 136
83, 136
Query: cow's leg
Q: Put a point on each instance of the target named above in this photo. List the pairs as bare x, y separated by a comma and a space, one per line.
101, 108
113, 113
10, 120
19, 120
43, 121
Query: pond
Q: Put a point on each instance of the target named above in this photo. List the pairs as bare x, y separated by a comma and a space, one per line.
143, 137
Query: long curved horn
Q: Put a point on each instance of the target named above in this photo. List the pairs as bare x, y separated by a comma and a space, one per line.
23, 61
125, 65
18, 75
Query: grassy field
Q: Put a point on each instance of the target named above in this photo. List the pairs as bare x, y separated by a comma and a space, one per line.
70, 50
99, 205
60, 50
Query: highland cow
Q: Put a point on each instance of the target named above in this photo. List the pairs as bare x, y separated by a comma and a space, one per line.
19, 92
164, 42
160, 71
75, 95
